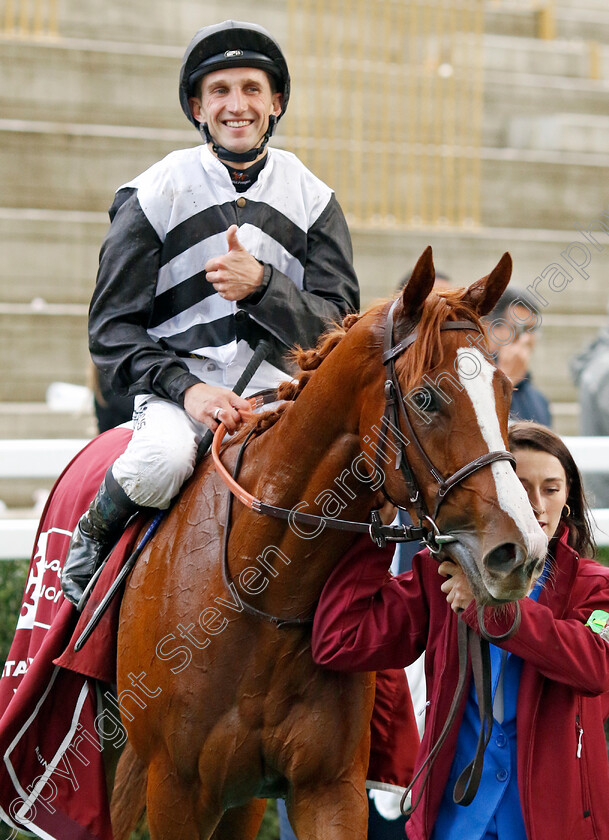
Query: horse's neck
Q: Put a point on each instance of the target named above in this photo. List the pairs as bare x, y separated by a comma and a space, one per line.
306, 452
307, 461
317, 438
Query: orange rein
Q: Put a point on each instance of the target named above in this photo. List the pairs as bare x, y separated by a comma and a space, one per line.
246, 498
379, 533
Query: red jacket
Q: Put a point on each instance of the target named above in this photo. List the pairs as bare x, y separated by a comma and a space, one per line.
367, 621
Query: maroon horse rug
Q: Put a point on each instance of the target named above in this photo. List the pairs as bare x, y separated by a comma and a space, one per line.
52, 724
58, 713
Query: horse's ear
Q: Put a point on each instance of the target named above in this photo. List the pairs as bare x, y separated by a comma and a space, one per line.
419, 284
483, 295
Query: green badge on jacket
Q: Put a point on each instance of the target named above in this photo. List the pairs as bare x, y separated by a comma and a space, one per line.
598, 622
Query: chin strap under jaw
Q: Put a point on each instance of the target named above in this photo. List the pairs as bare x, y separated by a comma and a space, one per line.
239, 157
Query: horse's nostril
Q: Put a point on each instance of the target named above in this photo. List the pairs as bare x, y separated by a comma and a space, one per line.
502, 559
534, 568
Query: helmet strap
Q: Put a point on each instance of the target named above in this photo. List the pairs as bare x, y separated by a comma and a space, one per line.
239, 157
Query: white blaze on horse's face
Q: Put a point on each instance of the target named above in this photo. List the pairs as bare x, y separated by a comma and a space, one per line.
476, 375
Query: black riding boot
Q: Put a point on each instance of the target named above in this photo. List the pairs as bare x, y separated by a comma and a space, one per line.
92, 537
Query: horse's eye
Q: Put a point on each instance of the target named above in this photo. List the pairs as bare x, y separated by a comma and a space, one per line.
423, 399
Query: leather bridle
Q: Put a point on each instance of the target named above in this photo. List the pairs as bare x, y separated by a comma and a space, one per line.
396, 415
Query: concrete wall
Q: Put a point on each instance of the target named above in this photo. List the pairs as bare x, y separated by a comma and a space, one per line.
83, 113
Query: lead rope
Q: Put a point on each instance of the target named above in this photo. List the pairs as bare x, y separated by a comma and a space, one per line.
468, 782
462, 645
466, 787
478, 648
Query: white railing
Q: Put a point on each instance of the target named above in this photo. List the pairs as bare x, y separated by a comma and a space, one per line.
600, 517
30, 459
47, 458
37, 458
591, 453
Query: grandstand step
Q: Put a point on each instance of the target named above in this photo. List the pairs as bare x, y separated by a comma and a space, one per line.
588, 5
82, 165
517, 19
561, 338
161, 22
38, 420
383, 257
586, 133
565, 418
584, 22
525, 19
520, 95
77, 166
516, 191
42, 347
532, 56
49, 255
106, 82
172, 23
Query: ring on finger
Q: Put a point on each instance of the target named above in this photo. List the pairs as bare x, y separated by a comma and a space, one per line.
216, 414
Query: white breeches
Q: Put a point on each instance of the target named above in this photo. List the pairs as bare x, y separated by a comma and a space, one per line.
161, 454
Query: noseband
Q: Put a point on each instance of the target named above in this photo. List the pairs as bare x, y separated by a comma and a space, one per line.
396, 415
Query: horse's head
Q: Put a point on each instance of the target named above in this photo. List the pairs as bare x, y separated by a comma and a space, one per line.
444, 451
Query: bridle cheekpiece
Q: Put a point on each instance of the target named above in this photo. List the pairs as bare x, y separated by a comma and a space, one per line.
396, 415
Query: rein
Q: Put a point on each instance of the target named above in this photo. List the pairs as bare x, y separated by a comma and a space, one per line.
229, 582
378, 532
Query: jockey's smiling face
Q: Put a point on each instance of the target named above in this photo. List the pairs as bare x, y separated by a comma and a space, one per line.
236, 104
543, 477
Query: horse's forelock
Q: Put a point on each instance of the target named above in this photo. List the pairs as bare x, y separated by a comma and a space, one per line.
427, 351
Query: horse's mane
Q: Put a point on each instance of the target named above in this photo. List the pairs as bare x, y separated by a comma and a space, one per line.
308, 361
426, 351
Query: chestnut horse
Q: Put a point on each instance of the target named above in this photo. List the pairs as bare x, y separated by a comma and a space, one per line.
233, 708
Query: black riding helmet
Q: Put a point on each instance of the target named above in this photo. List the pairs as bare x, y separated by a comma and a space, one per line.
233, 43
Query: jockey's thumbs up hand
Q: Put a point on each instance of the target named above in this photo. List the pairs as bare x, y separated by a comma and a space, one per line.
236, 274
233, 240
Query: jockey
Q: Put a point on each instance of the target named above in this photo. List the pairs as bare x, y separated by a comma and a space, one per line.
208, 251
